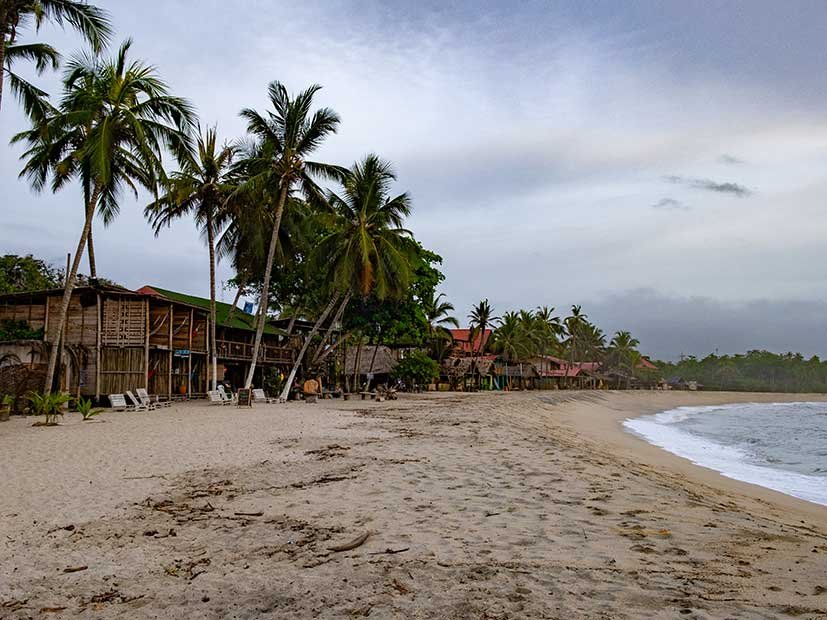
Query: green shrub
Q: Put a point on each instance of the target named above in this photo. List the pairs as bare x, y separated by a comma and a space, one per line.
417, 368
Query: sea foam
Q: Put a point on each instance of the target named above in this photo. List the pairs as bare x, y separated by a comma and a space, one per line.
733, 461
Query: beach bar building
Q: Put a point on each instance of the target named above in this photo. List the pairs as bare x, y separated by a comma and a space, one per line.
117, 340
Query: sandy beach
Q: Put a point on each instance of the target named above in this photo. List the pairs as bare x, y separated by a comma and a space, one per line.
521, 505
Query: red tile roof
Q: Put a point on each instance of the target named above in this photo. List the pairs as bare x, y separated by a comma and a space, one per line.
461, 338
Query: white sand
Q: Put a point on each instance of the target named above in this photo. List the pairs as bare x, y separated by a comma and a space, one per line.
506, 506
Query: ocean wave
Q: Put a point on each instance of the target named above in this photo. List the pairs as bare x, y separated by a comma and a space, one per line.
730, 461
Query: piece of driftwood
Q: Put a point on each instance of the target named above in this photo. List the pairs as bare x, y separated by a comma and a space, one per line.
356, 542
74, 569
249, 514
389, 551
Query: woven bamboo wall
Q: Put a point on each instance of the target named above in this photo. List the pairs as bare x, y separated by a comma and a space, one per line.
159, 372
122, 369
159, 318
124, 322
199, 332
181, 329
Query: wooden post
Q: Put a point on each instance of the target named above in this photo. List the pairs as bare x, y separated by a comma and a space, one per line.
98, 350
46, 319
171, 358
146, 350
189, 358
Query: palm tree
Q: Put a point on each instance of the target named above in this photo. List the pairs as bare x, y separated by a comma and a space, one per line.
480, 318
278, 165
574, 326
551, 329
92, 22
200, 189
438, 315
108, 132
512, 338
367, 251
623, 352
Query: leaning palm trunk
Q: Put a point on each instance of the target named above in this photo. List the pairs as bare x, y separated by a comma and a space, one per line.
288, 384
67, 292
265, 287
239, 292
213, 343
90, 249
318, 355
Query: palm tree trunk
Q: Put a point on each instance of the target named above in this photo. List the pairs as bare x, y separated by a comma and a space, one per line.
357, 362
265, 286
213, 343
238, 293
346, 382
317, 356
285, 392
2, 55
93, 269
67, 292
372, 361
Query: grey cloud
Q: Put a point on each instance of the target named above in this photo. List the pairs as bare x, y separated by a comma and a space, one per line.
670, 204
668, 326
710, 185
730, 159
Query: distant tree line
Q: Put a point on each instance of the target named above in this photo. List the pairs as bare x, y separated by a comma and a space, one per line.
754, 371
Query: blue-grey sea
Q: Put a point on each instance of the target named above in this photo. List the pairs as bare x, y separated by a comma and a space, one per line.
781, 446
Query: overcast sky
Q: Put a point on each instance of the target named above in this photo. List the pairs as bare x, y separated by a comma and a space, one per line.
664, 164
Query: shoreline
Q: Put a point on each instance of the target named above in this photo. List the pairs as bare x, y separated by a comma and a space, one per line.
605, 427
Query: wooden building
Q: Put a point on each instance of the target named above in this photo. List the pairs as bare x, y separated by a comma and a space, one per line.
117, 340
235, 335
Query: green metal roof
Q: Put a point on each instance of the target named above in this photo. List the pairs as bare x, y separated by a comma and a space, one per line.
240, 319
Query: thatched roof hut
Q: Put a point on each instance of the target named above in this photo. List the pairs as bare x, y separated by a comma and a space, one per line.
462, 366
386, 360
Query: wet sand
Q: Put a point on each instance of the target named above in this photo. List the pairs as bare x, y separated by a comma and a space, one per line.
532, 505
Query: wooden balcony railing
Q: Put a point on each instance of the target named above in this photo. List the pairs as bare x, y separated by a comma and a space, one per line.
243, 351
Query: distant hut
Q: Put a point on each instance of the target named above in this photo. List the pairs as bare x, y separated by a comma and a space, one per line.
374, 362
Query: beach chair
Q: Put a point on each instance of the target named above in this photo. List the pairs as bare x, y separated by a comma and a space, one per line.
229, 399
138, 405
146, 399
259, 396
215, 398
118, 403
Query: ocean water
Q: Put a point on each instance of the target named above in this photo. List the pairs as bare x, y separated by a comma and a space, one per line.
780, 446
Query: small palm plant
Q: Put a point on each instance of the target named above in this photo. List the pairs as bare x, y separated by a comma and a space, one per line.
84, 407
49, 405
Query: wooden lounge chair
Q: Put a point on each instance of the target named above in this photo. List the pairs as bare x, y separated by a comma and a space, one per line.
146, 399
138, 405
259, 396
118, 403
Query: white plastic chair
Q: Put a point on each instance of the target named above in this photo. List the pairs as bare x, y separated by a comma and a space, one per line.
146, 399
229, 399
138, 405
118, 403
259, 396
